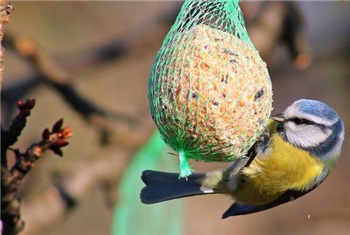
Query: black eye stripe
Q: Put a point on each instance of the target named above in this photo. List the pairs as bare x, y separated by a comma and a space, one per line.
301, 121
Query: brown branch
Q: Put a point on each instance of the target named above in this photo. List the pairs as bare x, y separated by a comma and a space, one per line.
10, 136
68, 189
61, 80
11, 179
72, 186
10, 205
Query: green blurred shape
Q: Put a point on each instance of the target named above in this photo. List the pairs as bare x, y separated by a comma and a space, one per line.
131, 217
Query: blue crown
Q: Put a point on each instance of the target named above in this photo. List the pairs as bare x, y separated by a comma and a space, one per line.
317, 108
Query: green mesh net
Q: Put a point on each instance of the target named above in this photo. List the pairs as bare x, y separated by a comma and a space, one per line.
210, 94
131, 217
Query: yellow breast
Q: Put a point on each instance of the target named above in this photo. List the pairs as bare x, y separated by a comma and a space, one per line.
285, 168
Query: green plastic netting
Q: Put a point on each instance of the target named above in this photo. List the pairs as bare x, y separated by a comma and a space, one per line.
131, 217
210, 93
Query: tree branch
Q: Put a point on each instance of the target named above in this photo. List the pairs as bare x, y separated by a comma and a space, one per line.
11, 179
10, 136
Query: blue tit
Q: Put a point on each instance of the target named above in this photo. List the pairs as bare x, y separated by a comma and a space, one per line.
295, 154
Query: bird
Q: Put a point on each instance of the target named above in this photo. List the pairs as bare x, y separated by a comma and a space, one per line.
293, 156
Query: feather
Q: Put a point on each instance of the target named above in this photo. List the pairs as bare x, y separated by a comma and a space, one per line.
163, 186
242, 209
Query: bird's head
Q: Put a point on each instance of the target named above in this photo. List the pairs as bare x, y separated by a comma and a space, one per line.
313, 126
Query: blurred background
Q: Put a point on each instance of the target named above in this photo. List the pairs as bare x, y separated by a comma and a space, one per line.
89, 63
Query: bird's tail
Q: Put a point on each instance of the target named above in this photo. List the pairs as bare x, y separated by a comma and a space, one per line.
163, 186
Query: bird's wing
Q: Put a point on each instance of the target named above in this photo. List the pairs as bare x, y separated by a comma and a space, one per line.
238, 209
259, 146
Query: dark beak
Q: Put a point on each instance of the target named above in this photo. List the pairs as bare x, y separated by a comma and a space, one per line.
278, 117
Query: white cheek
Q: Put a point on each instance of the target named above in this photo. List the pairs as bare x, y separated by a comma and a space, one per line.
305, 136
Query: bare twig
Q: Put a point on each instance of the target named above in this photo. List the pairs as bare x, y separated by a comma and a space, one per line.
9, 136
72, 186
68, 189
11, 179
60, 79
